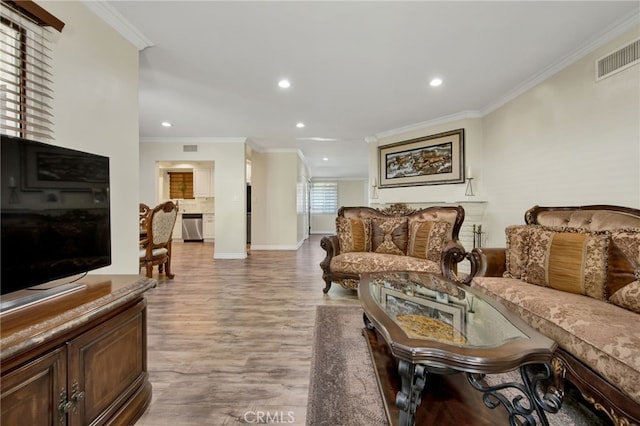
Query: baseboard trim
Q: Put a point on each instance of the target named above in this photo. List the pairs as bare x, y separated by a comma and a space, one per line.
277, 247
273, 247
230, 255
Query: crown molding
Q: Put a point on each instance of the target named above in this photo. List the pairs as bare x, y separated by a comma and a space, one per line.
115, 20
305, 163
281, 150
605, 36
424, 124
254, 146
190, 140
371, 139
608, 34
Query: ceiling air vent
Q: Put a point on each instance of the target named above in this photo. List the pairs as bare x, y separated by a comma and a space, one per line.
619, 60
189, 148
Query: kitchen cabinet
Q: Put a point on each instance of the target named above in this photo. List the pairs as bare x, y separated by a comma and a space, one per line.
202, 183
208, 226
78, 359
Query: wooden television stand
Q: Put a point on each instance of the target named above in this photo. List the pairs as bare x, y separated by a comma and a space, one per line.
79, 358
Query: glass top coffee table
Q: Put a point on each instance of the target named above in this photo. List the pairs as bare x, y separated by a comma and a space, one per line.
433, 325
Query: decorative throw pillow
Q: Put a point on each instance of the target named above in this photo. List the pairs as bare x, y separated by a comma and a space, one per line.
517, 250
628, 297
389, 235
574, 260
624, 259
427, 238
353, 234
629, 242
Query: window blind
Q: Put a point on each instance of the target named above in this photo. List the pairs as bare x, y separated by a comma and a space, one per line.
25, 71
180, 185
324, 197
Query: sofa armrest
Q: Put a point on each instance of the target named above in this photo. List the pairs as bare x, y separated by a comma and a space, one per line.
331, 245
490, 262
452, 254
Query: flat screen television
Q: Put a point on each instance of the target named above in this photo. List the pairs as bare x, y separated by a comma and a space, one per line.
55, 213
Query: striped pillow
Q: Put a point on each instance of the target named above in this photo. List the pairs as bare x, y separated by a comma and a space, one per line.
427, 239
574, 261
353, 234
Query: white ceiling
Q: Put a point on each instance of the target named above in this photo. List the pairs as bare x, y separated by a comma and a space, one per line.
358, 69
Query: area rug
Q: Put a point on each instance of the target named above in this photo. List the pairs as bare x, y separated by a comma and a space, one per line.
343, 389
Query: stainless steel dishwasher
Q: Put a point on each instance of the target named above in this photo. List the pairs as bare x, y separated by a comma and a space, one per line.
192, 227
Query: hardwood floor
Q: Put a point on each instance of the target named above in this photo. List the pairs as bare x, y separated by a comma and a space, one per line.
230, 339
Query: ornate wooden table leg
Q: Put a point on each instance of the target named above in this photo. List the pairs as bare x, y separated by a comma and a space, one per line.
414, 379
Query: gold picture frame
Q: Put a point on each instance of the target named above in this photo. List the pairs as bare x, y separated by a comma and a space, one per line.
431, 160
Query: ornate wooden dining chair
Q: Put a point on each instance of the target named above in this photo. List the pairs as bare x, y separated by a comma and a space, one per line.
155, 248
144, 217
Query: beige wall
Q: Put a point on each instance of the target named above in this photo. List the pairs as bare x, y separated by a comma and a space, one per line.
568, 141
302, 201
278, 222
229, 184
350, 193
95, 74
258, 197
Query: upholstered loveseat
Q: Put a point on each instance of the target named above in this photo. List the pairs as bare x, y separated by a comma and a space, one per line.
573, 274
398, 238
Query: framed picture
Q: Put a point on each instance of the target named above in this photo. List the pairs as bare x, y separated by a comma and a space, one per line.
398, 303
431, 160
49, 169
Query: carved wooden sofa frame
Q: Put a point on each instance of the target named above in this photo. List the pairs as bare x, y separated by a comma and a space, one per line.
619, 407
453, 252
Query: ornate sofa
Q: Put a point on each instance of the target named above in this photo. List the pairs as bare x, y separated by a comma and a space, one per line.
573, 273
397, 238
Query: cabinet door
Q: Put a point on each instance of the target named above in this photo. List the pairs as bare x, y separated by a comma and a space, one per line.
109, 364
202, 183
208, 225
31, 394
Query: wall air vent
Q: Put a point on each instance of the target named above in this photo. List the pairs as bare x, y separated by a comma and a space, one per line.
619, 60
189, 148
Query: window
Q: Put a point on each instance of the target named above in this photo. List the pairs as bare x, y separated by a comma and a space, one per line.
180, 185
25, 77
324, 197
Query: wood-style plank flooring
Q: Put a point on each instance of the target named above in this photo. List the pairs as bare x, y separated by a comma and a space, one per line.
230, 338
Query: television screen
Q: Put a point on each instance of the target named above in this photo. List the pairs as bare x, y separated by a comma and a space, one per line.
55, 214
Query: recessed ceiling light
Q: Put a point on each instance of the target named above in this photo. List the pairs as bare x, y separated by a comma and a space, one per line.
435, 82
284, 83
166, 124
300, 125
325, 159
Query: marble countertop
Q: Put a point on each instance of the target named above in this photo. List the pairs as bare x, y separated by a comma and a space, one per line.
26, 327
